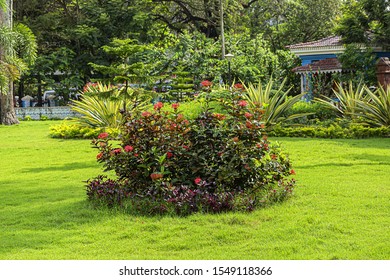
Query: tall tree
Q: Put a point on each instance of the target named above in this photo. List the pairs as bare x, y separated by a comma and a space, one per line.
366, 21
17, 51
7, 111
285, 22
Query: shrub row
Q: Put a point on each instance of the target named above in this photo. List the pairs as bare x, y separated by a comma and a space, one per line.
334, 130
67, 130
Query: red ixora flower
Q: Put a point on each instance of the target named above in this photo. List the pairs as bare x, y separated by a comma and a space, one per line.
116, 151
169, 155
242, 103
219, 116
206, 83
146, 114
198, 180
103, 135
248, 115
238, 86
156, 176
158, 105
128, 149
99, 156
292, 172
175, 106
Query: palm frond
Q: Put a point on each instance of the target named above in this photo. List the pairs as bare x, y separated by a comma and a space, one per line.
26, 43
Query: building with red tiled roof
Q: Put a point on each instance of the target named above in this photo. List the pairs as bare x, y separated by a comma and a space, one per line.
332, 41
327, 65
320, 56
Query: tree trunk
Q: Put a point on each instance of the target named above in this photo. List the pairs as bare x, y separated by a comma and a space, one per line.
7, 110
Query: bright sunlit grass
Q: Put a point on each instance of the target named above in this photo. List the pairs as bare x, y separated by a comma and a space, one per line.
340, 210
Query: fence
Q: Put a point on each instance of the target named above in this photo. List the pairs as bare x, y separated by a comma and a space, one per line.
36, 113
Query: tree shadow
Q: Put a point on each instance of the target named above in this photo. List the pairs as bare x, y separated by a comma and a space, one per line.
64, 167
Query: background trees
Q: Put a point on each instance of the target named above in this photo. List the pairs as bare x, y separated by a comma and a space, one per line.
185, 35
71, 33
366, 21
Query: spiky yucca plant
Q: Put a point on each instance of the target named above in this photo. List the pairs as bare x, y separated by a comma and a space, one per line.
97, 112
101, 105
347, 99
275, 103
375, 109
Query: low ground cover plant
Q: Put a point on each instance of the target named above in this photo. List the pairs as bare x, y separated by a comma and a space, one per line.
165, 163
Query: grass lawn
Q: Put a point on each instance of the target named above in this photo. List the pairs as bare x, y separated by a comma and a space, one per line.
341, 207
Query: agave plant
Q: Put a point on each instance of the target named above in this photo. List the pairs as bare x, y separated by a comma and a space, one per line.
97, 112
275, 103
375, 109
346, 99
101, 105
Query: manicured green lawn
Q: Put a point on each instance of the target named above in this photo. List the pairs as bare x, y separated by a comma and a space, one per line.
341, 209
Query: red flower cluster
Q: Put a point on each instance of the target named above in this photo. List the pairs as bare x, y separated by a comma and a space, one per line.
219, 116
248, 115
99, 155
169, 155
238, 86
158, 105
156, 176
103, 135
89, 85
242, 103
175, 106
206, 83
116, 151
128, 149
146, 114
198, 181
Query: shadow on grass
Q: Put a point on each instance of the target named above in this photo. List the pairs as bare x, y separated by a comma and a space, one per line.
335, 164
41, 227
372, 143
65, 167
59, 214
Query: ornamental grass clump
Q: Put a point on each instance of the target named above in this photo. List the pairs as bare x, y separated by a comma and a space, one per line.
165, 163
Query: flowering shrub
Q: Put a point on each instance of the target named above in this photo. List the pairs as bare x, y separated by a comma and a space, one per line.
216, 162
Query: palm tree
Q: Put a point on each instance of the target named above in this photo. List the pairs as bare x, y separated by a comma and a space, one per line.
18, 49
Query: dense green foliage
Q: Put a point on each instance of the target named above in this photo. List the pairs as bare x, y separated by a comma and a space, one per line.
365, 21
73, 36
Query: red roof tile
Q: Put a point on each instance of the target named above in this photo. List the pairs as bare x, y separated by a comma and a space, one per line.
325, 42
325, 65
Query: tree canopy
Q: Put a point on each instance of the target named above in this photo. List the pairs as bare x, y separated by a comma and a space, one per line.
365, 21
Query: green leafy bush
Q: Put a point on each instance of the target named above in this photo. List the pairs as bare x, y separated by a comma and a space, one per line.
73, 130
332, 130
314, 112
213, 163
